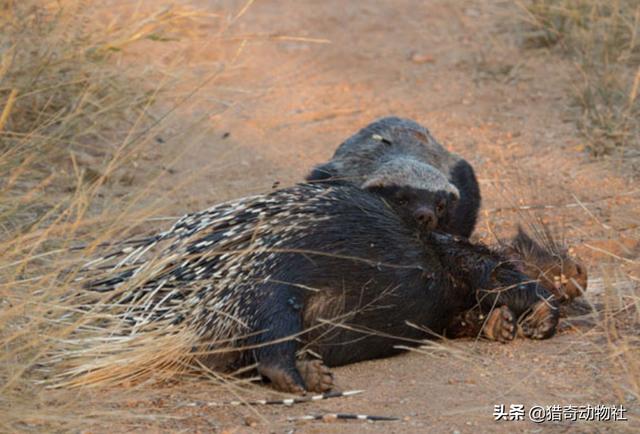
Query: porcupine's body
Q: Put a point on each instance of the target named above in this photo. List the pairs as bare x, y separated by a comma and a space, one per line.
400, 160
328, 267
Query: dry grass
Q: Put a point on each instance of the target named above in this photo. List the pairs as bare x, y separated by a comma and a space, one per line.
71, 120
69, 115
602, 38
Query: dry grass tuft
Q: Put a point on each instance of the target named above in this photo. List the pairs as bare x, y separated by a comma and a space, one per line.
620, 317
106, 360
603, 39
72, 116
69, 116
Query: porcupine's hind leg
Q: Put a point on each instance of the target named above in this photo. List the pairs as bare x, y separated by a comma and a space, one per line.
279, 319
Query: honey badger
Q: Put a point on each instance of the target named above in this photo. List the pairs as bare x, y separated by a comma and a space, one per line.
401, 161
327, 267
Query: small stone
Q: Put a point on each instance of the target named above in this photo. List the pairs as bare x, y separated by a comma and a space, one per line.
329, 418
421, 58
251, 421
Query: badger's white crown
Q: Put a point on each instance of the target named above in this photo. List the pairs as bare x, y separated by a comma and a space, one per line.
401, 171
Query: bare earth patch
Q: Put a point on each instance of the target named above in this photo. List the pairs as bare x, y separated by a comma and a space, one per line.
302, 76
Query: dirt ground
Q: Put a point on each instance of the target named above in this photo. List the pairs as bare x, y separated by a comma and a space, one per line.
300, 77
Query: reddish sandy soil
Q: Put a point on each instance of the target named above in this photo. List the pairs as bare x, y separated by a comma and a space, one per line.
310, 74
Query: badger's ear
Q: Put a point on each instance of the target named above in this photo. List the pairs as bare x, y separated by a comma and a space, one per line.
374, 183
454, 193
321, 172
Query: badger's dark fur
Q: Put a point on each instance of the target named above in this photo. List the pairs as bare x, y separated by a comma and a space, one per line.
330, 268
397, 153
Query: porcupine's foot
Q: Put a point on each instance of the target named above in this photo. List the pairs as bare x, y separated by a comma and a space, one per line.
316, 375
541, 322
283, 379
500, 325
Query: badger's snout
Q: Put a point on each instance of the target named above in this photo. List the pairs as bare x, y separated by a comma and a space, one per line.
426, 218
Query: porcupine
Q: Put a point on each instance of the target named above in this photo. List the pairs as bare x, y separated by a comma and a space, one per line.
542, 257
548, 261
400, 160
329, 267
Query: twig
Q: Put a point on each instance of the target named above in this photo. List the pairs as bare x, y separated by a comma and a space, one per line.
613, 255
566, 205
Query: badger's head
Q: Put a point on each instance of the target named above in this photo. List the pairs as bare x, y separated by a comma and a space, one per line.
418, 192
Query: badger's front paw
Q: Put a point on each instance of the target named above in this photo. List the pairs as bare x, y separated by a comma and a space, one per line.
541, 322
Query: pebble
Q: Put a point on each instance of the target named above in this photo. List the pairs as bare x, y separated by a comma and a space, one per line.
421, 58
251, 421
